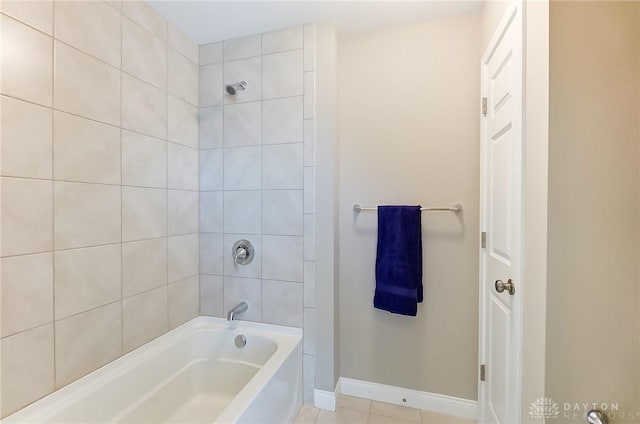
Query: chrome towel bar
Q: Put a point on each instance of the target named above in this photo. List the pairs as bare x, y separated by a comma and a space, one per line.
455, 208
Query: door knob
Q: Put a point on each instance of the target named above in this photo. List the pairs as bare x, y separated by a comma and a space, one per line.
501, 286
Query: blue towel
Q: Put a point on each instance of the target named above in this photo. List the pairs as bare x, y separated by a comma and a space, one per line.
399, 260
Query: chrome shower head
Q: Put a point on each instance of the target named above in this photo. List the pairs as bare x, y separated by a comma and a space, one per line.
232, 89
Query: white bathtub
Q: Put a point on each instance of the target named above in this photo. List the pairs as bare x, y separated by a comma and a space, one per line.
193, 374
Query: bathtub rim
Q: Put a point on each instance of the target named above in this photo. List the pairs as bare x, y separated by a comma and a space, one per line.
285, 338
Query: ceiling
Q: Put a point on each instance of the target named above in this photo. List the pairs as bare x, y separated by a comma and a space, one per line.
208, 21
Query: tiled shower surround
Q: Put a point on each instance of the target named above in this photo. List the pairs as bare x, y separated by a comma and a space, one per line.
121, 199
99, 188
257, 171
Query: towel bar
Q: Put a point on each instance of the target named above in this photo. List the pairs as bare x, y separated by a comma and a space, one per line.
455, 208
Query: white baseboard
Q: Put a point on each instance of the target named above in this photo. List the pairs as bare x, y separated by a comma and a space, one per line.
442, 404
324, 399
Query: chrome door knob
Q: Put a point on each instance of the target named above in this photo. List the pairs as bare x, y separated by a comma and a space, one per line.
501, 286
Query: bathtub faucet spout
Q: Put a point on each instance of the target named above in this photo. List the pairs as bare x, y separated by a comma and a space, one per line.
238, 309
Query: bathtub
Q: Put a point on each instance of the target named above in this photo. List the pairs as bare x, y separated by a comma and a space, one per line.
193, 374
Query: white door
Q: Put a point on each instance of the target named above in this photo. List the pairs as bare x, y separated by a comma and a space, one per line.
501, 220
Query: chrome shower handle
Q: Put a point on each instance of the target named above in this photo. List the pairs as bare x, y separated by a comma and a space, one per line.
242, 252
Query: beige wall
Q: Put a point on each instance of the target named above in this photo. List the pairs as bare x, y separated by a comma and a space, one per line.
408, 128
99, 188
592, 315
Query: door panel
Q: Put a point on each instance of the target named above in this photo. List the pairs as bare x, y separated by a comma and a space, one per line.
501, 219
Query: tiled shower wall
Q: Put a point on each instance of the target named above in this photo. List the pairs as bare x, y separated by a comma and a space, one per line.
257, 170
99, 188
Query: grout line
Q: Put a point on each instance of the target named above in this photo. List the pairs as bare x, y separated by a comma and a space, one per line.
223, 109
19, 20
53, 194
104, 184
121, 192
166, 52
53, 108
29, 329
262, 286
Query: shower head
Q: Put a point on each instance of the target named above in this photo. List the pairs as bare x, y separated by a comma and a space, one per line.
232, 89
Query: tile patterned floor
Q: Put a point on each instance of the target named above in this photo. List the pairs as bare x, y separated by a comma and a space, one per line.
353, 410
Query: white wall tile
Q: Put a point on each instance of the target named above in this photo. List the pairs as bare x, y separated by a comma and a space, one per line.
240, 48
26, 222
183, 212
211, 212
38, 14
243, 168
26, 292
181, 43
282, 166
27, 143
282, 303
279, 41
309, 95
183, 257
211, 167
309, 189
144, 317
183, 123
211, 87
309, 237
282, 120
144, 213
25, 69
183, 167
282, 258
210, 124
211, 53
87, 341
93, 27
86, 214
309, 142
252, 270
310, 47
212, 296
242, 124
249, 70
144, 160
242, 212
144, 266
309, 284
183, 300
282, 212
116, 4
27, 367
308, 377
211, 253
309, 340
86, 86
282, 74
144, 108
183, 77
143, 54
145, 16
248, 290
86, 278
85, 150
